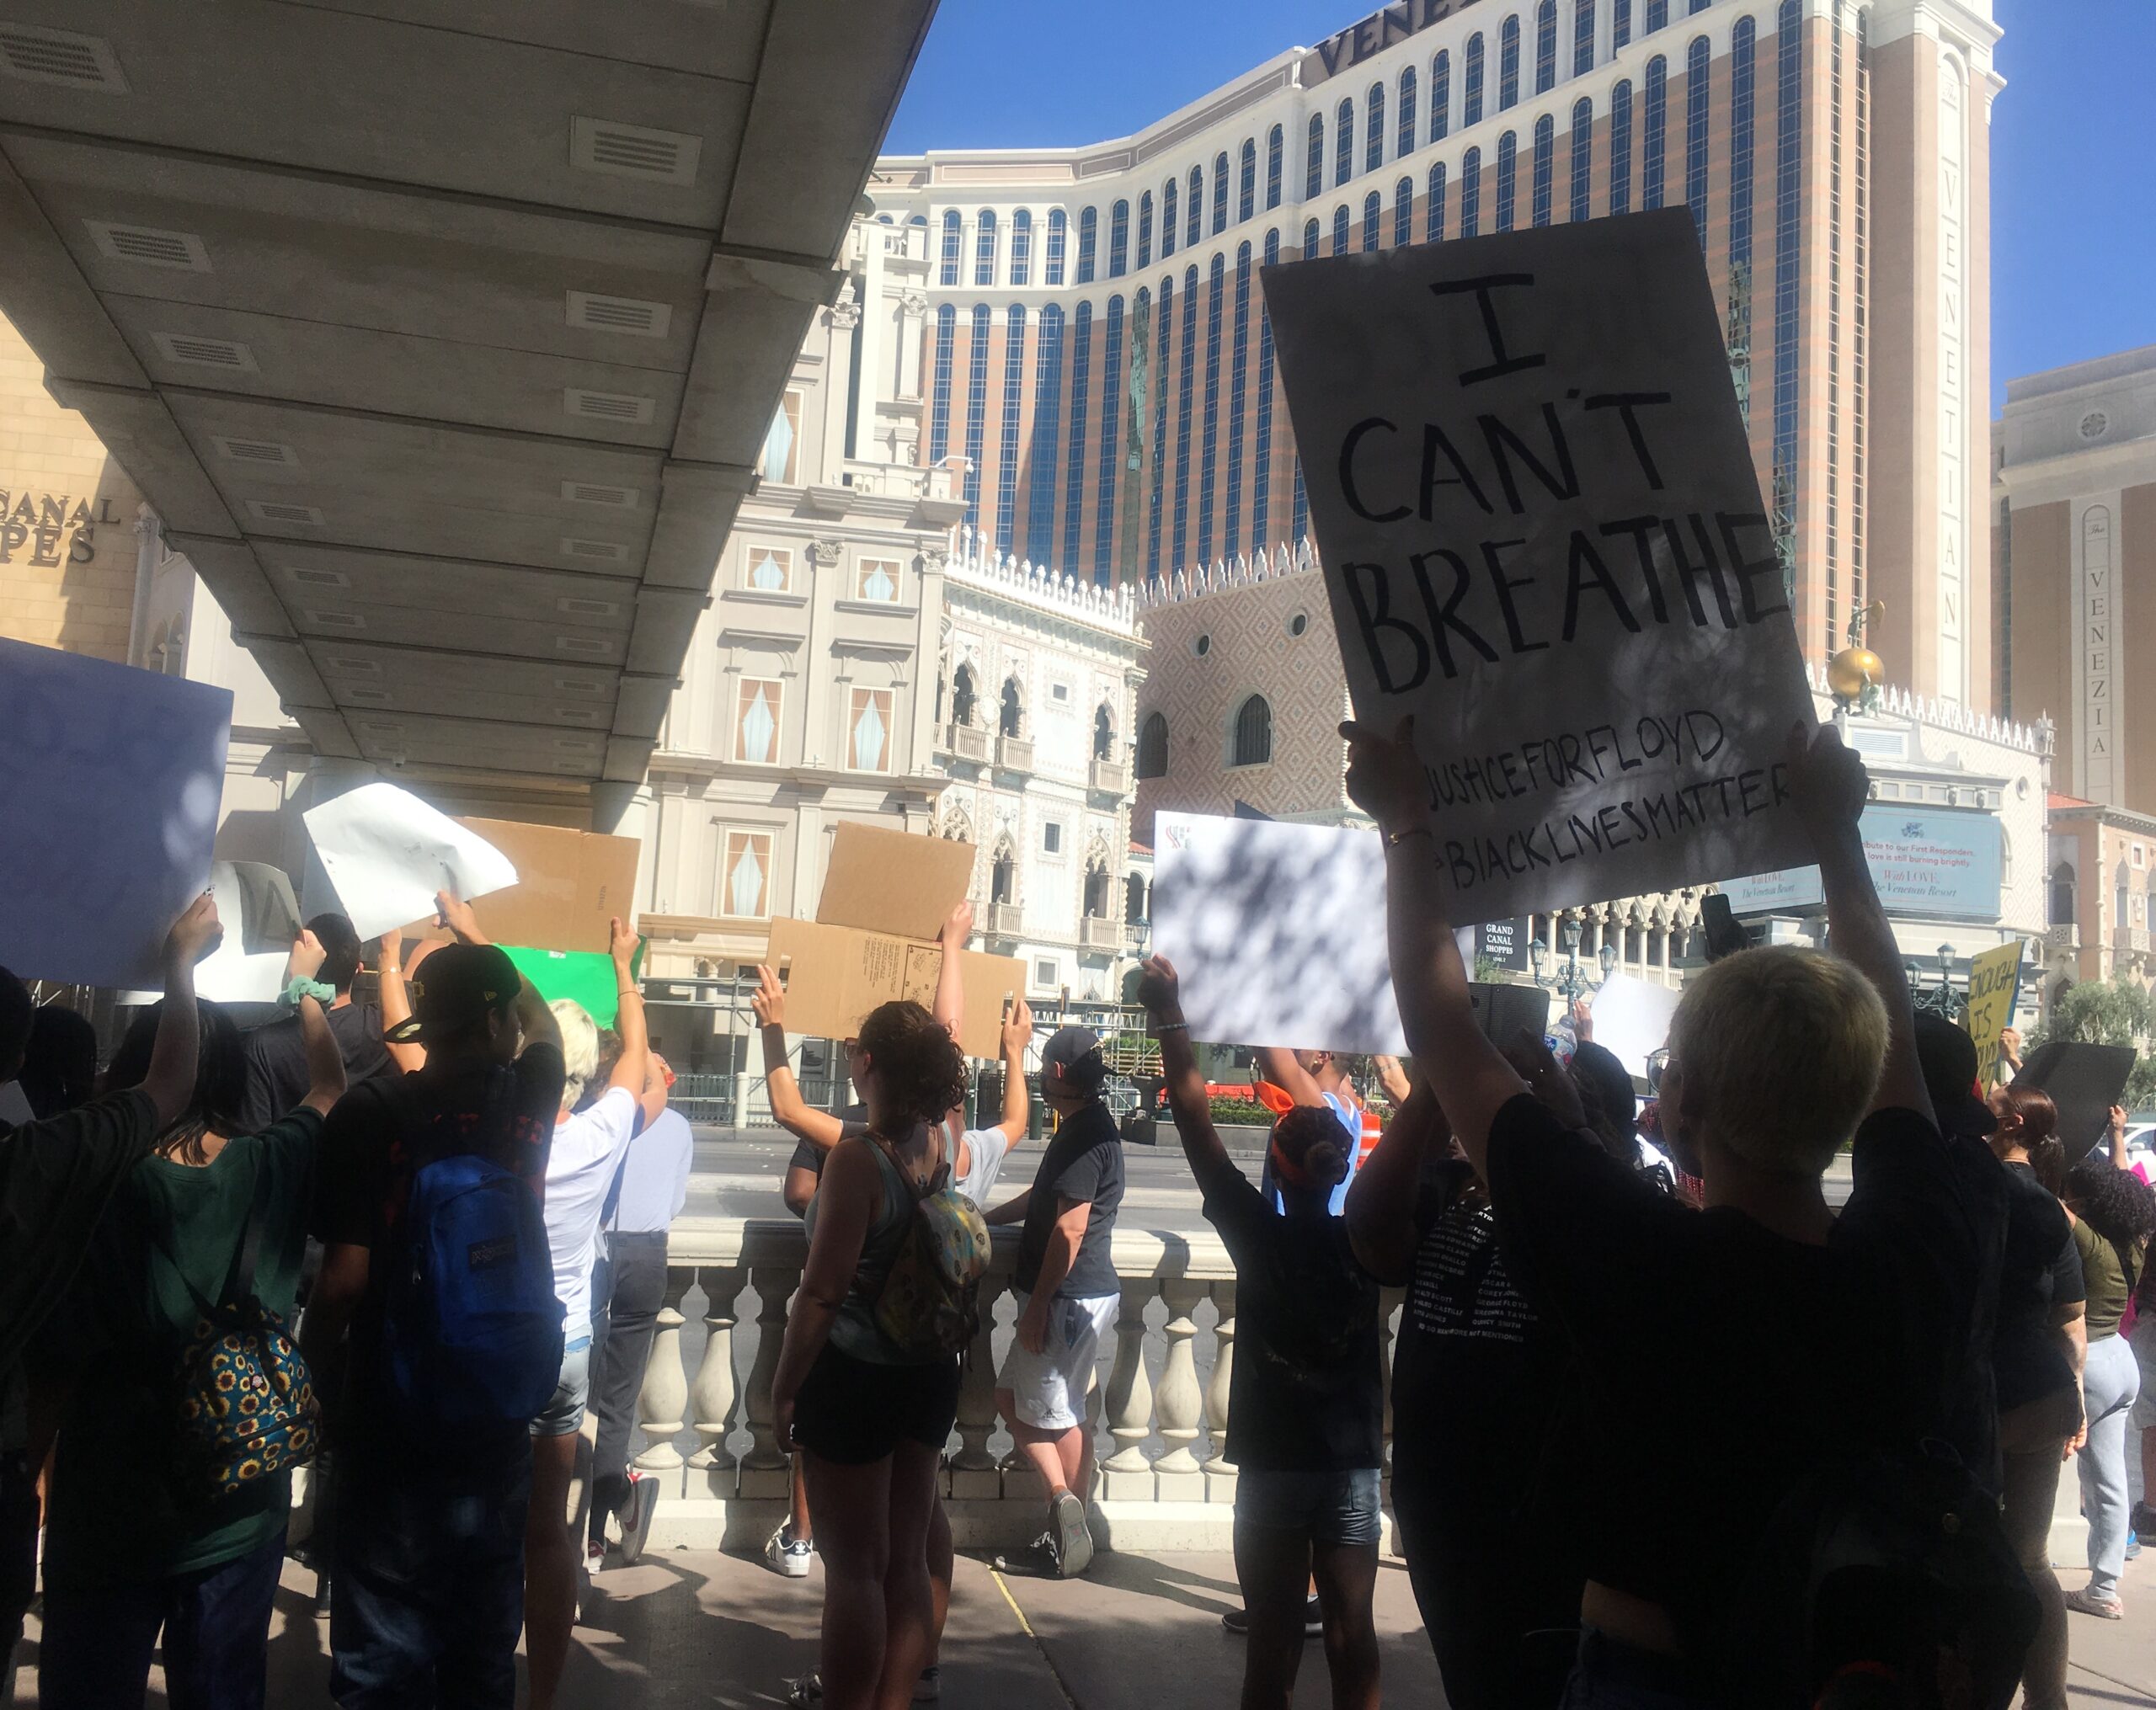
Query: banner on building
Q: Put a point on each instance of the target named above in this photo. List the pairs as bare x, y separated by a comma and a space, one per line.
1995, 985
1945, 862
110, 782
1543, 537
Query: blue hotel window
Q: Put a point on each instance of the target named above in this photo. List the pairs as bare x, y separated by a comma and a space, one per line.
1373, 216
1343, 142
1374, 128
1470, 193
1434, 212
1053, 269
1219, 193
1583, 37
1088, 227
1508, 65
1743, 84
1620, 148
1403, 213
1300, 526
1247, 183
1545, 168
1404, 127
939, 394
1441, 97
1620, 22
1048, 423
1194, 215
1309, 237
1340, 229
1159, 424
1074, 473
1238, 362
1470, 99
948, 273
1507, 178
1654, 133
1314, 174
1260, 474
1788, 186
1118, 239
1582, 159
1208, 462
1168, 206
1111, 449
1275, 147
976, 410
984, 247
1545, 47
1695, 133
1146, 230
1186, 390
1657, 16
1021, 246
1006, 473
1698, 5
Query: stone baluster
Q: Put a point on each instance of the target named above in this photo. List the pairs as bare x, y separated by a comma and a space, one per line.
973, 1470
665, 1397
712, 1396
763, 1468
1219, 1470
1180, 1403
1127, 1474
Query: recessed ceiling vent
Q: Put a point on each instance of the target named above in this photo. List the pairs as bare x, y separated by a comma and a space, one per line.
198, 352
580, 644
366, 696
595, 552
318, 578
571, 607
337, 620
149, 246
633, 151
599, 492
37, 55
345, 664
630, 315
623, 408
264, 511
263, 451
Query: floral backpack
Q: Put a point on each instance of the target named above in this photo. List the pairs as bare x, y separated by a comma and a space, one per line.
930, 1302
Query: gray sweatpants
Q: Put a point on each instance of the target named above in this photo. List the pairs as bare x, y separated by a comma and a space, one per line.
2109, 1384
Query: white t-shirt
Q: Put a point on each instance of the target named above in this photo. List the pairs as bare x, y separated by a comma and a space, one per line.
579, 1170
985, 1151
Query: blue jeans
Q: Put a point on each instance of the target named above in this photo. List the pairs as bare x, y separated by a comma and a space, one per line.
1333, 1508
94, 1652
426, 1597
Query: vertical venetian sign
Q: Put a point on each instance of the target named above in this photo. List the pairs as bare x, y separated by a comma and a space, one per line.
2099, 613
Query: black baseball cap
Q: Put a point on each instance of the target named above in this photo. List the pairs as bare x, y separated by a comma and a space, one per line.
457, 987
1948, 1058
1075, 1053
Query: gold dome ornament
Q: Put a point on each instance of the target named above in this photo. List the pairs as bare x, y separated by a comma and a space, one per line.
1856, 673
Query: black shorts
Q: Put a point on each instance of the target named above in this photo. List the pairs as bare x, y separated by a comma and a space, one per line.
854, 1411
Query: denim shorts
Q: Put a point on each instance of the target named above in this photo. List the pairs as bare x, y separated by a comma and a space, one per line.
1333, 1508
563, 1416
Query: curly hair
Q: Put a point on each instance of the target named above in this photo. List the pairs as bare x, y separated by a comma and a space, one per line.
2117, 1204
919, 1066
1310, 1138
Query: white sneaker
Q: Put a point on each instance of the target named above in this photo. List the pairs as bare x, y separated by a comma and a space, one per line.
787, 1554
1074, 1541
635, 1516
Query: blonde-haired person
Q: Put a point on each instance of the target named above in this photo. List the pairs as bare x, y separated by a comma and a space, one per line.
588, 1146
1762, 1334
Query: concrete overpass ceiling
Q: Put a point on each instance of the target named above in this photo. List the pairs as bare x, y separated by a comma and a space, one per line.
444, 335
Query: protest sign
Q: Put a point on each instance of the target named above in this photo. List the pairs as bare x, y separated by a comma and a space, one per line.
1543, 537
886, 896
1995, 983
110, 782
234, 972
1630, 1019
586, 975
569, 886
1276, 932
2084, 1081
387, 852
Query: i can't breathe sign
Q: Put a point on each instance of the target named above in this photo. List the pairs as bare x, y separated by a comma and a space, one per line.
1543, 536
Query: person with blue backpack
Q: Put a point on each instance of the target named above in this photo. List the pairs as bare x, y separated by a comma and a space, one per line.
436, 1259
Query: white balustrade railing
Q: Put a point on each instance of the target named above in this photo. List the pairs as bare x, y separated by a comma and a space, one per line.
1165, 1481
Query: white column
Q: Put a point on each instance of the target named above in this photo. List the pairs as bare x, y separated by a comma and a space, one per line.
712, 1396
764, 1468
1180, 1403
1128, 1474
1219, 1470
973, 1472
665, 1397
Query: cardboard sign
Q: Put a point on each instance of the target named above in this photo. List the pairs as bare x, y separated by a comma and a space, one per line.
569, 885
2084, 1082
886, 896
110, 782
1994, 985
387, 853
1631, 1020
234, 973
1543, 537
1278, 932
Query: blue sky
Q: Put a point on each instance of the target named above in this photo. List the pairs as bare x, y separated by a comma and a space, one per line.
2073, 219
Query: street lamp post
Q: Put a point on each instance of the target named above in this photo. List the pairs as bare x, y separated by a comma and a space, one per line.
1568, 982
1946, 1000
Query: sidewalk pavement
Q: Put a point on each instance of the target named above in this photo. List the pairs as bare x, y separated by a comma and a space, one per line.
696, 1630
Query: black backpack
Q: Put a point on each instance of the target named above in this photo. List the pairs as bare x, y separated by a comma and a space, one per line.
1886, 1579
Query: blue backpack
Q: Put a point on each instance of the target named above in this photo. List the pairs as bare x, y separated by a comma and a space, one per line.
470, 1328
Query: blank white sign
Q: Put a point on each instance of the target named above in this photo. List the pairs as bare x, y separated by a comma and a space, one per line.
387, 853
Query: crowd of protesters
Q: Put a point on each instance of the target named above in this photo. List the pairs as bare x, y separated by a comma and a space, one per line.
1667, 1430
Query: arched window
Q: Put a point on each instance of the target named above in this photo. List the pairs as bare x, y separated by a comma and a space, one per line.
1441, 96
1168, 206
1134, 899
1054, 268
1433, 208
1343, 142
1620, 148
1107, 462
2118, 896
1194, 214
1042, 446
976, 408
1471, 95
1098, 887
1546, 46
1374, 128
1118, 239
1404, 122
1209, 454
1153, 746
1261, 476
1309, 237
1340, 229
1507, 178
1372, 214
1508, 65
1583, 37
1403, 213
1074, 472
963, 695
1089, 224
1013, 719
1657, 16
947, 274
2062, 896
1007, 472
1314, 172
939, 388
1021, 246
1470, 193
1103, 732
1545, 168
1743, 110
1620, 23
1238, 366
1253, 742
1003, 874
1246, 182
1276, 143
1146, 230
984, 247
1219, 193
1186, 374
1695, 132
1582, 158
1654, 133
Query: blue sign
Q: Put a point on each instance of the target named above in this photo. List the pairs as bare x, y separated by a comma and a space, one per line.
1942, 861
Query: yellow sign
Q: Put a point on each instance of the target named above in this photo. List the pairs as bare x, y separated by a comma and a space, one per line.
1994, 982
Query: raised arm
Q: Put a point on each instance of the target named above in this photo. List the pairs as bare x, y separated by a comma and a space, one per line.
1017, 1035
1380, 1209
325, 1064
658, 1077
1160, 991
1467, 1073
950, 1004
1278, 1064
789, 1110
174, 1057
532, 1014
1828, 786
395, 997
632, 1067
